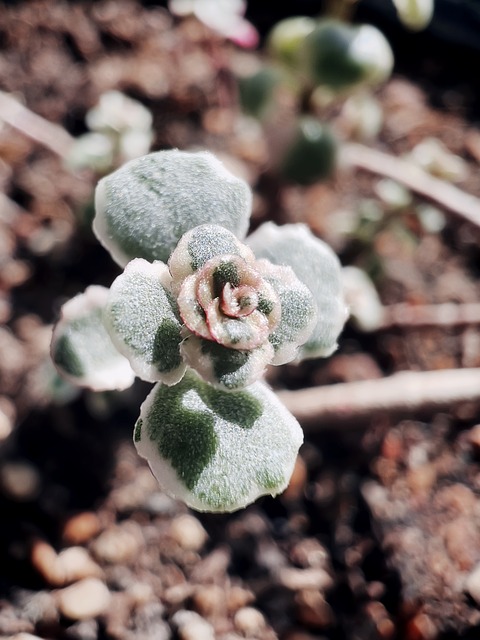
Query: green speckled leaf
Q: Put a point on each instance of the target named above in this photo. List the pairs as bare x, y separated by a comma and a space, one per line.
298, 311
315, 264
82, 349
225, 368
144, 208
339, 56
201, 244
142, 318
217, 450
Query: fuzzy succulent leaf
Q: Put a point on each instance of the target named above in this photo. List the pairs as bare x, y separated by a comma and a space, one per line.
299, 312
144, 208
216, 450
142, 318
314, 264
224, 368
81, 346
201, 244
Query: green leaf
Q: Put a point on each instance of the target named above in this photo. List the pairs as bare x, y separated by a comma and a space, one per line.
144, 208
257, 91
143, 321
340, 56
82, 349
315, 264
225, 368
285, 40
298, 311
216, 450
201, 244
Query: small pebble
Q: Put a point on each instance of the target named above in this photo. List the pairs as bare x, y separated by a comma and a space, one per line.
297, 483
296, 579
209, 600
192, 626
70, 565
5, 425
238, 597
20, 481
81, 528
460, 537
84, 630
85, 599
472, 583
421, 627
118, 545
474, 438
249, 621
309, 552
188, 532
312, 609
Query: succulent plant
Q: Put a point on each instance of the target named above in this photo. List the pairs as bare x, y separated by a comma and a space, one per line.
201, 314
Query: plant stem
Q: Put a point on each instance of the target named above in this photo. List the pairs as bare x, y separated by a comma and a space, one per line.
407, 392
448, 314
447, 196
50, 135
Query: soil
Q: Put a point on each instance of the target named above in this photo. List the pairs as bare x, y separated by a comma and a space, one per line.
377, 535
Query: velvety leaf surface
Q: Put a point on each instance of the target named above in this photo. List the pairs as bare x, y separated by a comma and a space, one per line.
225, 368
144, 208
217, 450
81, 346
315, 264
142, 318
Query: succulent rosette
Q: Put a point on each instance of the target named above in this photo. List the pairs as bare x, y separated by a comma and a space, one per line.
201, 314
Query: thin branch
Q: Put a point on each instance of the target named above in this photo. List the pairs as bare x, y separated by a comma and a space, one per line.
447, 196
448, 314
47, 133
408, 392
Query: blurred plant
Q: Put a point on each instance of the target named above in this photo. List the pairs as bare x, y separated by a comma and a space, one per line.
120, 130
415, 14
223, 16
317, 64
201, 314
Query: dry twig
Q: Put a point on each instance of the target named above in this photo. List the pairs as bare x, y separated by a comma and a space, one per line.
406, 392
448, 314
34, 126
447, 196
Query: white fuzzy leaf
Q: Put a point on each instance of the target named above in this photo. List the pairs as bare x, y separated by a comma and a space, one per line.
315, 264
215, 450
82, 349
144, 208
142, 318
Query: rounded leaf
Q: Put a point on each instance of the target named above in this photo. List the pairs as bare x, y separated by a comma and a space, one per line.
315, 264
257, 91
142, 318
286, 38
299, 311
214, 450
340, 56
201, 244
415, 14
82, 349
225, 368
144, 208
